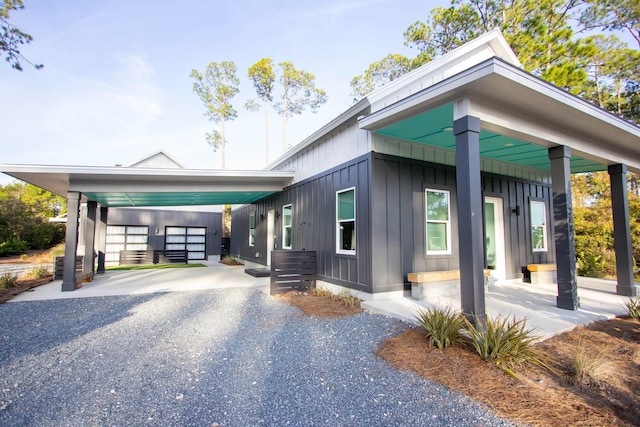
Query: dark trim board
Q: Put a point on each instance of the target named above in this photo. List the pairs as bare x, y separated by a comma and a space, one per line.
390, 221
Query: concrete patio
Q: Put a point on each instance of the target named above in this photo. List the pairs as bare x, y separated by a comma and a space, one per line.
536, 303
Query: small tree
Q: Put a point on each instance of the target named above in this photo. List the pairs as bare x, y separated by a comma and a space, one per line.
216, 88
263, 77
299, 92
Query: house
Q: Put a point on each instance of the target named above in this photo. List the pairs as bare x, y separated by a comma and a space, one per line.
462, 165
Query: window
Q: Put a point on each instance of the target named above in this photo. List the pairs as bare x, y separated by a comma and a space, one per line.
192, 239
252, 229
538, 226
346, 221
287, 216
438, 222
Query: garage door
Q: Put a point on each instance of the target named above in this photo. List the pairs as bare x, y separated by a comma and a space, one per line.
193, 239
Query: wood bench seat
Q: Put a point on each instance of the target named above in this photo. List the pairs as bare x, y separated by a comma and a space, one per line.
542, 274
541, 267
437, 276
437, 286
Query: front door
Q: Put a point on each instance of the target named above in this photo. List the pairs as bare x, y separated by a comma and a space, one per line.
271, 231
494, 237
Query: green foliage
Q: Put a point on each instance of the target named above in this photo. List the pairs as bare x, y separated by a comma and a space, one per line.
8, 281
24, 214
12, 37
633, 308
443, 326
380, 73
216, 88
505, 342
37, 272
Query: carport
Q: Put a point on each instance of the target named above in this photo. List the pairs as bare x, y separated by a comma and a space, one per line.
104, 187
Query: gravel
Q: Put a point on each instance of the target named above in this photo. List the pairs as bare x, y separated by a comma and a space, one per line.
232, 357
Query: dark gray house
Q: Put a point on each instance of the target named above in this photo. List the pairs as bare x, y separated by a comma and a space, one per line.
462, 164
460, 167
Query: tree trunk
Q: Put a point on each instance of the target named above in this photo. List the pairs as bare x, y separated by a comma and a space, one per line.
284, 133
222, 144
266, 131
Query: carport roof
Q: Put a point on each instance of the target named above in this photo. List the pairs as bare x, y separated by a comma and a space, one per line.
131, 186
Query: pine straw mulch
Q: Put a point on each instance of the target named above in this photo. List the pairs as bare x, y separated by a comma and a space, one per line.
24, 285
610, 398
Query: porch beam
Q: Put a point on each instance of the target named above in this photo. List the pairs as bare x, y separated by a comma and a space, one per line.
622, 231
71, 242
563, 228
470, 227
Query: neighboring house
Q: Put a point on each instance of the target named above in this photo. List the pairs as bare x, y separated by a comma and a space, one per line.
462, 164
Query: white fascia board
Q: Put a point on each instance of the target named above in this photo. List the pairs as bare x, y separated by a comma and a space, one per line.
354, 111
490, 44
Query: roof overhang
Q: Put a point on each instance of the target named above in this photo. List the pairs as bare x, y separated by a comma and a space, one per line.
514, 103
124, 186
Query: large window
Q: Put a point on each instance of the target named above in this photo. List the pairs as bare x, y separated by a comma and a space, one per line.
252, 229
538, 226
125, 237
193, 239
346, 221
287, 217
438, 222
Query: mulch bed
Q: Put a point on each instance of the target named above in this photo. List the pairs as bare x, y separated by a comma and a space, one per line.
24, 285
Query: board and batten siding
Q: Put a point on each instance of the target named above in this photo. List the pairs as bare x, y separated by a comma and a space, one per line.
159, 219
313, 204
339, 146
398, 235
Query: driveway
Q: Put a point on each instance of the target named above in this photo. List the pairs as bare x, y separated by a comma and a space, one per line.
235, 357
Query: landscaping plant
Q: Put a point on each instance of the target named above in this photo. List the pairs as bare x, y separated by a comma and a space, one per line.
37, 272
8, 281
443, 326
505, 342
633, 308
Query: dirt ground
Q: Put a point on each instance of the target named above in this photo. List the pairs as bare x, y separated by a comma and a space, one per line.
609, 396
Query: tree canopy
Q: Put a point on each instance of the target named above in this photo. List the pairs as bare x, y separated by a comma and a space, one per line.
216, 88
12, 38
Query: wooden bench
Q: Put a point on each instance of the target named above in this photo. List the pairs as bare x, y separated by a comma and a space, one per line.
437, 286
543, 274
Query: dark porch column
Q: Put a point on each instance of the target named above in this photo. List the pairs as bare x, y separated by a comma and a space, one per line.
101, 238
71, 242
89, 237
470, 226
563, 228
622, 231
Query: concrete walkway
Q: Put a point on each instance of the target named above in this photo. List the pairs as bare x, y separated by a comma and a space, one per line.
536, 303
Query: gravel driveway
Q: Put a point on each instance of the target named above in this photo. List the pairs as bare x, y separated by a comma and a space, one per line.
235, 357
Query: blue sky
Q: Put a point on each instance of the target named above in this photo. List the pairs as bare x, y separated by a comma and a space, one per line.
116, 88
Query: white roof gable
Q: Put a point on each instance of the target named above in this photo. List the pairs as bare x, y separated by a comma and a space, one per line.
489, 45
159, 160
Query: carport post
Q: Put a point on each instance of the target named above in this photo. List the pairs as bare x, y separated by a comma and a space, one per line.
563, 228
470, 228
89, 237
101, 239
71, 242
622, 231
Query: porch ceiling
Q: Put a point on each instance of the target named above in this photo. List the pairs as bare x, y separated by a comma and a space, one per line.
129, 187
435, 127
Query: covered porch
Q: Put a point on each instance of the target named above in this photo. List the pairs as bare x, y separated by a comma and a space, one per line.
494, 118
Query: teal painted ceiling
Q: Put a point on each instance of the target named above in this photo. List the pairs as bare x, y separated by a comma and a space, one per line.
434, 128
121, 199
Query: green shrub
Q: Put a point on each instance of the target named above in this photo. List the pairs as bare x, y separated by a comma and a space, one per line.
37, 272
505, 342
12, 246
633, 308
443, 326
8, 281
45, 235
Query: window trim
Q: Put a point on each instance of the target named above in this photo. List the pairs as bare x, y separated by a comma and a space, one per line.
446, 222
284, 227
545, 233
338, 222
252, 230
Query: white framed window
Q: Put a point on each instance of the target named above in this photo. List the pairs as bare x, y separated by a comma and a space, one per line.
438, 222
538, 212
287, 217
252, 229
346, 221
